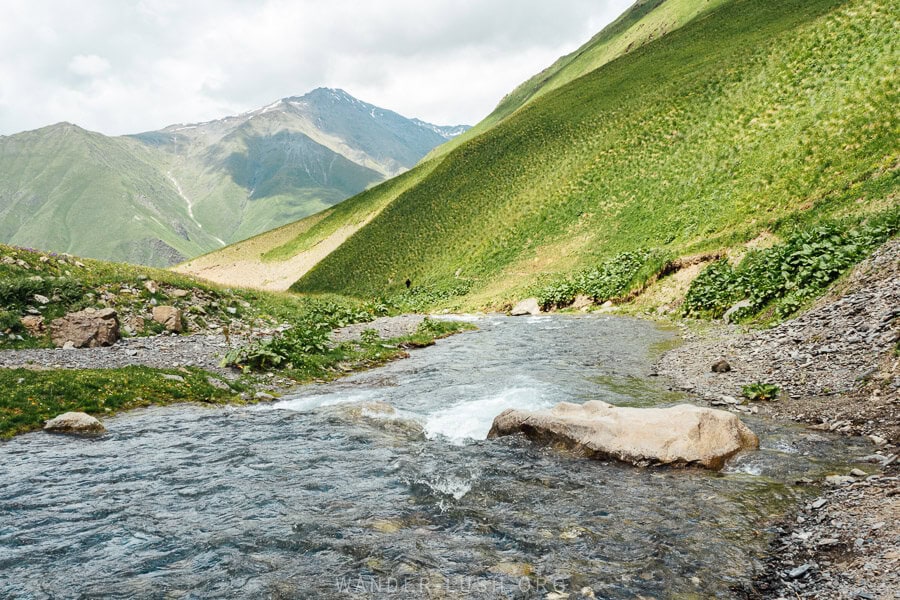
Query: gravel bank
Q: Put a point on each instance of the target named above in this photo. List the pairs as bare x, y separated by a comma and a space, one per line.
838, 367
387, 327
836, 362
843, 544
161, 351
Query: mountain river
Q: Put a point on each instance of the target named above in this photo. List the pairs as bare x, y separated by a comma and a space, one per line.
382, 485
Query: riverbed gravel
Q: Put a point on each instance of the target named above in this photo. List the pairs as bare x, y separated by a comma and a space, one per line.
387, 327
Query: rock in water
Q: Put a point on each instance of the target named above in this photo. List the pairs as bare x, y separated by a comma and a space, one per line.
88, 328
74, 422
528, 306
168, 316
683, 435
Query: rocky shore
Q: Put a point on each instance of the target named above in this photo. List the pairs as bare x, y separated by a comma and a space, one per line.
164, 351
838, 369
170, 350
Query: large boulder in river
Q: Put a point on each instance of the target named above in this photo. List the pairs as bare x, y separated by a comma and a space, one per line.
88, 328
683, 435
528, 306
74, 423
169, 316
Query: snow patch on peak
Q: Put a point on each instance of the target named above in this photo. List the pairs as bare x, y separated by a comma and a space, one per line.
445, 131
272, 106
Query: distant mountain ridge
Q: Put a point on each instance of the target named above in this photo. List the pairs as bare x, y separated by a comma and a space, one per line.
160, 197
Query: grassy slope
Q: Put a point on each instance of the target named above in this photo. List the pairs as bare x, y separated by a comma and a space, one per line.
751, 117
259, 261
643, 22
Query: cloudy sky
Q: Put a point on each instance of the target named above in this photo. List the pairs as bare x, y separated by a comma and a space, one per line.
124, 66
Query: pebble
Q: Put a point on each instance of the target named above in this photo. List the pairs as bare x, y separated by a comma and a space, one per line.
839, 480
721, 366
799, 571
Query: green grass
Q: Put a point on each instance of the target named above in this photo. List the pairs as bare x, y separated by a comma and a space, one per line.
367, 353
31, 397
757, 116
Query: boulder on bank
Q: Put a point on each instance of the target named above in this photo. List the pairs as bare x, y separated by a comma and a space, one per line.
88, 328
582, 302
721, 366
168, 316
33, 324
683, 435
75, 423
528, 306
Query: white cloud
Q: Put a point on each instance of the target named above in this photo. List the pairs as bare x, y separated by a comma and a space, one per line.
122, 67
88, 65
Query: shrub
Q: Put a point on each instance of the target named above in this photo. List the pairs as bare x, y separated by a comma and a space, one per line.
293, 346
610, 279
9, 321
713, 291
789, 274
756, 392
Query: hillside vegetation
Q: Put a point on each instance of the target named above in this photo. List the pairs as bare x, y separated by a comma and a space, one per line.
755, 117
270, 261
643, 22
62, 187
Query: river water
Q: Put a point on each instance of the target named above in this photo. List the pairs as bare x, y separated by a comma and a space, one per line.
382, 485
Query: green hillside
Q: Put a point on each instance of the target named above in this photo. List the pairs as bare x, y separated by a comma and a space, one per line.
754, 117
72, 190
643, 22
160, 197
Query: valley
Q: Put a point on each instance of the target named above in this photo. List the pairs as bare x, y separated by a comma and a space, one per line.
695, 212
